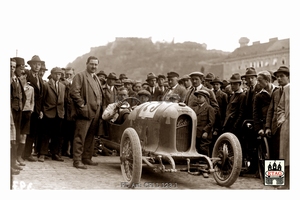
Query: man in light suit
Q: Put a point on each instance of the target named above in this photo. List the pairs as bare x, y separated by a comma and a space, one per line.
86, 92
35, 121
53, 114
174, 88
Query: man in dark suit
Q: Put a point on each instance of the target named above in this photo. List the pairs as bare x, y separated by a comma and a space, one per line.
53, 114
155, 91
17, 102
234, 112
86, 92
35, 121
197, 78
109, 89
174, 88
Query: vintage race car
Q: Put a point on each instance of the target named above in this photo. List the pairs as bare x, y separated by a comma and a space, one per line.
162, 135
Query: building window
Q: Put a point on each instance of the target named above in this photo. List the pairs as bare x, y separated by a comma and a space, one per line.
283, 61
266, 63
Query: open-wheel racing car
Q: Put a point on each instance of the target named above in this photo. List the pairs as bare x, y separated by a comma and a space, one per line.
162, 135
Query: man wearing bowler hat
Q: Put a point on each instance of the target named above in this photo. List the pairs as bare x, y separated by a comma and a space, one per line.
196, 79
234, 111
35, 121
53, 115
156, 93
208, 78
102, 77
174, 88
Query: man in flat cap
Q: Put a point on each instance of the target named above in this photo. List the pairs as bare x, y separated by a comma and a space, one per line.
174, 87
186, 80
205, 121
36, 117
196, 79
53, 115
144, 96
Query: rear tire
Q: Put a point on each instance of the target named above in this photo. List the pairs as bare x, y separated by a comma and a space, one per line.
131, 157
228, 149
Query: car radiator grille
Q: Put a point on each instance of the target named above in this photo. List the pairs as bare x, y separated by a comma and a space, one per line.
183, 133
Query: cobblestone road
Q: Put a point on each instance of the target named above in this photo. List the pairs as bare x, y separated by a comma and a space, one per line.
54, 175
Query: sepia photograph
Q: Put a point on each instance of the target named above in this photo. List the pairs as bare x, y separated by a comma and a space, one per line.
143, 96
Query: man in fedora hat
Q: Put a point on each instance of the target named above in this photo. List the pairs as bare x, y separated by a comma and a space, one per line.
174, 88
253, 89
53, 115
234, 111
271, 127
87, 94
18, 99
222, 100
196, 79
208, 78
205, 121
156, 93
43, 70
122, 77
102, 77
109, 89
36, 117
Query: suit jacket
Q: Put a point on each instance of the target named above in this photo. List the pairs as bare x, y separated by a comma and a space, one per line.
157, 95
271, 119
179, 90
234, 112
260, 109
191, 98
38, 90
53, 101
249, 101
85, 91
108, 95
205, 119
15, 88
221, 98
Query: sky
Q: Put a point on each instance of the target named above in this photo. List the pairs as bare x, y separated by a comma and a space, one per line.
60, 31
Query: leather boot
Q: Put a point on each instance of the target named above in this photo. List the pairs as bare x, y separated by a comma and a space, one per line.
20, 153
13, 157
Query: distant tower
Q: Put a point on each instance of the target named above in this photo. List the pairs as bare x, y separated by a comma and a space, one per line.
243, 41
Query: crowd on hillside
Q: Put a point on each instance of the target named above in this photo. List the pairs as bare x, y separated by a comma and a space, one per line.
63, 115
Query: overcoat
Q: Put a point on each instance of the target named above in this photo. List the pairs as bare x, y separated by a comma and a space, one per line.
283, 112
85, 92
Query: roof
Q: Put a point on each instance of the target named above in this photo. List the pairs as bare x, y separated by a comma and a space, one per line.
260, 48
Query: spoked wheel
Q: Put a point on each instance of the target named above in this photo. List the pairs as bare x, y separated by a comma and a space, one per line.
131, 157
263, 154
228, 149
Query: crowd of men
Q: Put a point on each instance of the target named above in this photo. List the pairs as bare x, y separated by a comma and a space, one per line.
62, 116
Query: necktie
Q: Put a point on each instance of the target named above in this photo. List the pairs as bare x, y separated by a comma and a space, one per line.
37, 81
281, 90
56, 86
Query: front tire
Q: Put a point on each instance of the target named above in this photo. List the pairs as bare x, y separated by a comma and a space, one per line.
131, 157
228, 149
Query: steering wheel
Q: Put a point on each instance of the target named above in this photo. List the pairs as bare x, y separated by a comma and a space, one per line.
124, 106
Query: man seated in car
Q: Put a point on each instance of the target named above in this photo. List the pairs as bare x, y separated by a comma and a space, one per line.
118, 111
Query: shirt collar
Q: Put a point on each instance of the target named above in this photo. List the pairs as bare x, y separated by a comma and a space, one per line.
272, 89
174, 86
240, 90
